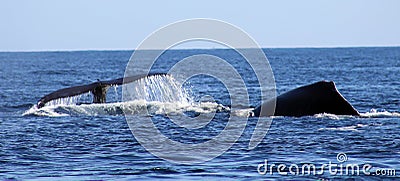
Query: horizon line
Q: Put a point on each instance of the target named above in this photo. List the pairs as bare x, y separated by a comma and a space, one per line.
200, 48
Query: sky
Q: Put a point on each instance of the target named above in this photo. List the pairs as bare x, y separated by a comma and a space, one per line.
123, 24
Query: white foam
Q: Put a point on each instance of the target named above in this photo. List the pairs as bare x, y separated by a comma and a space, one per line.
373, 113
47, 111
327, 115
346, 128
244, 112
136, 107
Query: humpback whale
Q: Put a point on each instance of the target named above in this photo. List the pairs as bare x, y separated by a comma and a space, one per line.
319, 97
98, 89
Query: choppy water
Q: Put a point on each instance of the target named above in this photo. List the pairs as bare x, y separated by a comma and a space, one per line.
86, 141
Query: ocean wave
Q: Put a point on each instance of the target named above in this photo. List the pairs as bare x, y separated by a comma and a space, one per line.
136, 107
373, 113
346, 128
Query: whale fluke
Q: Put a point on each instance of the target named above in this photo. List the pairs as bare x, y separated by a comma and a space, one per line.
98, 89
319, 97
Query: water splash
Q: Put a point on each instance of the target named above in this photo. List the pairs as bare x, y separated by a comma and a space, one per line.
116, 91
160, 94
136, 107
74, 100
159, 88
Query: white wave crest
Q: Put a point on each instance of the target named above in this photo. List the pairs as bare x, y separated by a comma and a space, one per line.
373, 113
137, 107
346, 128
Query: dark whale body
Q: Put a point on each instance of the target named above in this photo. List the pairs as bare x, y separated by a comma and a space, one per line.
319, 97
98, 89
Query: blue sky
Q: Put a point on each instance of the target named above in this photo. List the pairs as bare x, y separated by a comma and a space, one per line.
114, 24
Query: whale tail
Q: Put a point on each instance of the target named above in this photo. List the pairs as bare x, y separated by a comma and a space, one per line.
98, 89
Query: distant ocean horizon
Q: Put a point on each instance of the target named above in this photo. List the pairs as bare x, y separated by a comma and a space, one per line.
203, 48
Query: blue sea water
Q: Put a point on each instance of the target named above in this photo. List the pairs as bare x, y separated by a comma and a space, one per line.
85, 142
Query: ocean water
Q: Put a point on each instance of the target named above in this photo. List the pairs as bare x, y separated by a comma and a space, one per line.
68, 140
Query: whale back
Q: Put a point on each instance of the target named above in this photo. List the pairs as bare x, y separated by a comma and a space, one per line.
319, 97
